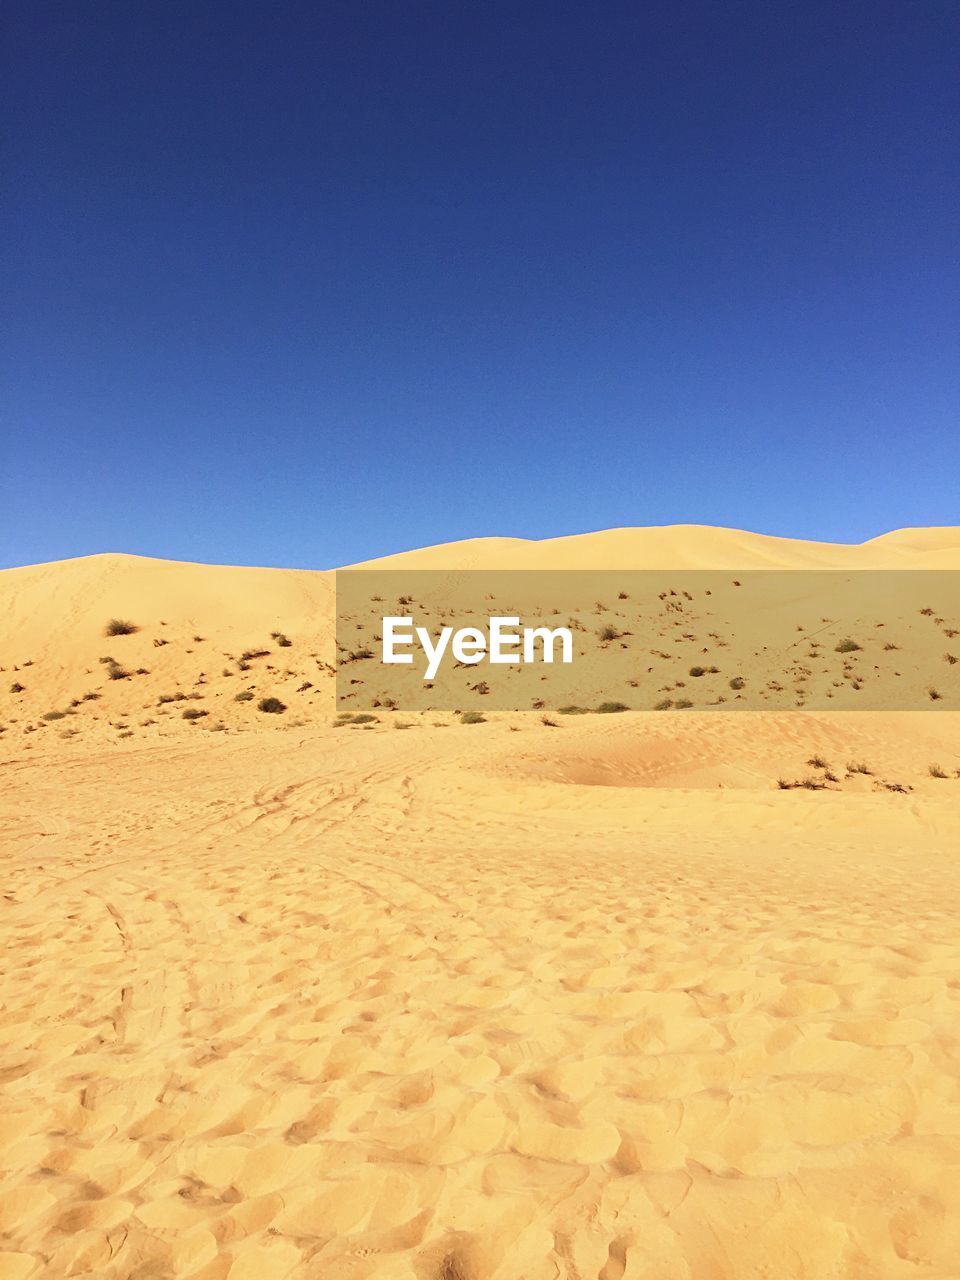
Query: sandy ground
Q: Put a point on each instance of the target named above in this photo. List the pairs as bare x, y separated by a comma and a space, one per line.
486, 1002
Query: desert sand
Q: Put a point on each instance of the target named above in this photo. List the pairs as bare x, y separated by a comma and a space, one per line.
631, 997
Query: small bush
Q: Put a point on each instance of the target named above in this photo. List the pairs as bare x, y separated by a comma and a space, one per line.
936, 772
194, 713
271, 705
364, 718
698, 671
847, 646
663, 705
249, 654
117, 627
818, 762
281, 639
55, 715
572, 711
609, 633
170, 697
116, 672
246, 696
934, 695
682, 703
16, 687
473, 717
737, 682
855, 766
610, 708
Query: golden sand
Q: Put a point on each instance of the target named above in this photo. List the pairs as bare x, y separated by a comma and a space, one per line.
489, 1002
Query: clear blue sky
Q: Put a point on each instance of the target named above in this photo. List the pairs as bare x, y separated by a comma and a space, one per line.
302, 283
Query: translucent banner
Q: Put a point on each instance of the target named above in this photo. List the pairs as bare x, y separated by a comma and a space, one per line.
648, 640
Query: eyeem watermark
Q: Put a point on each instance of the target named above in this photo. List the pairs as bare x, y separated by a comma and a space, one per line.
648, 640
503, 641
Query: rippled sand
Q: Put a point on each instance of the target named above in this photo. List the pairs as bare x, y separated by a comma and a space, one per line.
413, 1005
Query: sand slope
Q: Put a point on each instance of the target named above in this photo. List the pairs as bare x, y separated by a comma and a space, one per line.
488, 1002
208, 633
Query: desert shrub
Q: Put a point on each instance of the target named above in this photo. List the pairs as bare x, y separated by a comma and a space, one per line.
116, 672
934, 695
281, 639
847, 646
935, 771
271, 705
698, 671
171, 697
572, 711
682, 703
55, 715
818, 762
194, 713
245, 696
857, 766
364, 718
610, 708
609, 633
473, 717
737, 682
663, 705
951, 658
16, 687
249, 654
117, 627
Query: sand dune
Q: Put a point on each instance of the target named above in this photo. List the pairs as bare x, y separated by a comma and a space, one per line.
506, 1001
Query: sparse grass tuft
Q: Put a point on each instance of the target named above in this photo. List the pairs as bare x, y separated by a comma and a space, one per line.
855, 766
818, 762
118, 627
281, 639
935, 771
